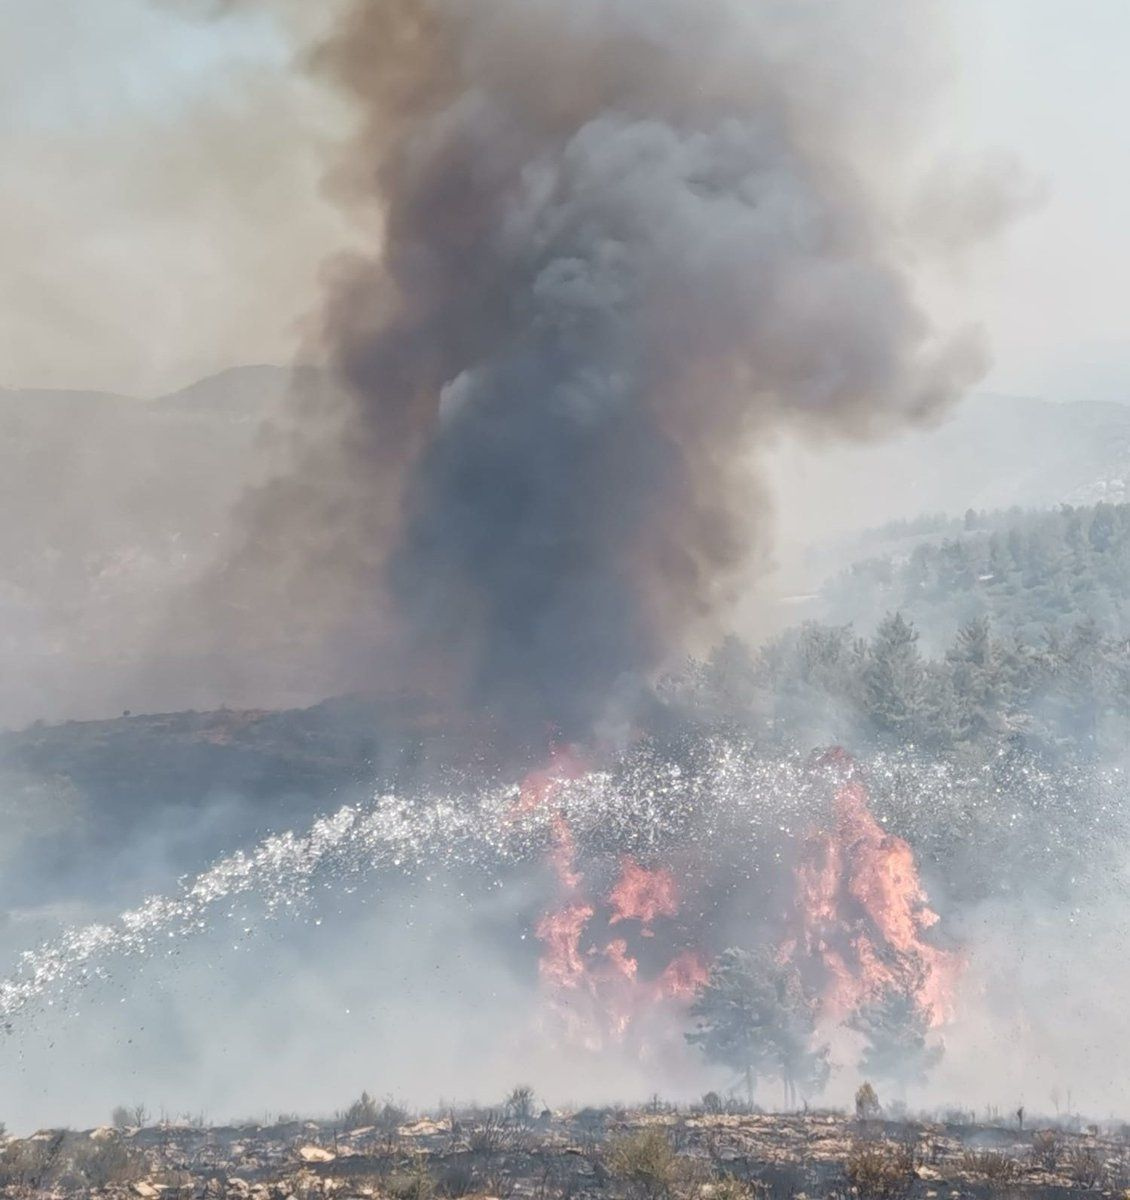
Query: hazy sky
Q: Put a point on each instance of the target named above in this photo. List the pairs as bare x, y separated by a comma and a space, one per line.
160, 215
1047, 81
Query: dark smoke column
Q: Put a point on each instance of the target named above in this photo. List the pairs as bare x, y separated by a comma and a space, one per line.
623, 241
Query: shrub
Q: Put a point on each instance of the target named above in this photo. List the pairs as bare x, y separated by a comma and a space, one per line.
456, 1179
489, 1135
645, 1161
1046, 1149
867, 1106
592, 1120
713, 1104
44, 1163
730, 1188
130, 1116
880, 1170
368, 1113
1086, 1165
990, 1166
31, 1164
98, 1164
416, 1183
391, 1117
520, 1104
361, 1113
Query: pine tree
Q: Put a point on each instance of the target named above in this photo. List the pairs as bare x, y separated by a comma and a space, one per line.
897, 1047
893, 679
975, 675
755, 1017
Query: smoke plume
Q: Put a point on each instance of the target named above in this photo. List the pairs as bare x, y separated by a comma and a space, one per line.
621, 245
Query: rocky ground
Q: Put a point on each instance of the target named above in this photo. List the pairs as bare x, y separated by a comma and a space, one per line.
653, 1154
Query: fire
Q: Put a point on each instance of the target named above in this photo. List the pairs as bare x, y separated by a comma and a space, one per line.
642, 895
563, 962
862, 913
858, 929
684, 977
594, 983
538, 790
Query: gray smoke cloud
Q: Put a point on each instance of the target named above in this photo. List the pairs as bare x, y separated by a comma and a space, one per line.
621, 246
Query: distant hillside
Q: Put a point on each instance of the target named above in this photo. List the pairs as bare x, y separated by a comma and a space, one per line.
994, 452
1031, 574
85, 805
112, 504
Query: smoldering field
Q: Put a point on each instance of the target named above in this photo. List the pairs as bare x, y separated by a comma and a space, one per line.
609, 255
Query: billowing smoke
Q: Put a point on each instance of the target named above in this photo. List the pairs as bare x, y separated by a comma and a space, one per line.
621, 246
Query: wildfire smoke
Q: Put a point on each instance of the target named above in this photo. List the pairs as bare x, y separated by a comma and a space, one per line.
621, 247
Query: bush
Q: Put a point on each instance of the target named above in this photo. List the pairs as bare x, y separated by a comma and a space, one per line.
867, 1106
130, 1116
646, 1161
990, 1166
391, 1117
490, 1135
456, 1179
880, 1170
368, 1113
520, 1104
713, 1104
31, 1164
730, 1188
361, 1113
44, 1163
592, 1120
1086, 1165
99, 1164
1046, 1149
413, 1184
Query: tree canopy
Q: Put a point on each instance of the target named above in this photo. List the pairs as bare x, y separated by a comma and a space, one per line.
755, 1017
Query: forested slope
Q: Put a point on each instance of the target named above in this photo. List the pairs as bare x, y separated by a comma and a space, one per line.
1027, 618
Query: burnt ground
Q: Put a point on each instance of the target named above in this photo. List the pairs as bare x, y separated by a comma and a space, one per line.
607, 1154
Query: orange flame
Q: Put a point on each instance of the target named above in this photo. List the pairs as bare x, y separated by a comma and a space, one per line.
859, 928
597, 990
562, 962
538, 790
642, 895
862, 912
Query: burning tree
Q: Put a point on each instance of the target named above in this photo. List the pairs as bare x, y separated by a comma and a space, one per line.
592, 979
755, 1017
862, 924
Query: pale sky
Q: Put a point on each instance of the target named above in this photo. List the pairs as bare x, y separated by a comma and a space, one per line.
1047, 80
160, 215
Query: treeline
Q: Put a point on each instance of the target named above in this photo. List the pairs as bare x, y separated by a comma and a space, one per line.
1066, 694
1027, 572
